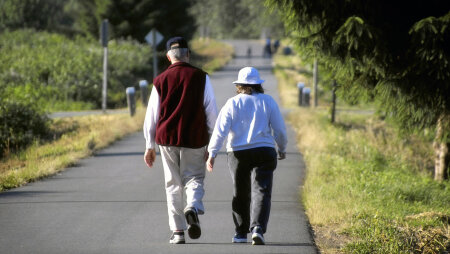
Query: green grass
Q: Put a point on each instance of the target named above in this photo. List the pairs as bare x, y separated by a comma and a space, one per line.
368, 189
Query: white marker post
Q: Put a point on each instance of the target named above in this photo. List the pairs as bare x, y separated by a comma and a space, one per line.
315, 81
104, 34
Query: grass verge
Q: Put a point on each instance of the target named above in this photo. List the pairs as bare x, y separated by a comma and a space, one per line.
78, 137
367, 188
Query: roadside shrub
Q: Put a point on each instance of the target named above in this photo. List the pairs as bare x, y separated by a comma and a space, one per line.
52, 71
21, 124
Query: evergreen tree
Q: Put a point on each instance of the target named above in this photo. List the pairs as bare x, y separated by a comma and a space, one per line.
396, 50
135, 18
132, 18
38, 14
86, 16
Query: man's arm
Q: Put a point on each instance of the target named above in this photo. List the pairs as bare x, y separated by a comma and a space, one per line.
151, 119
221, 130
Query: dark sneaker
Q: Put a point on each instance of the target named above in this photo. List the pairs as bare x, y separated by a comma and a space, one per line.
194, 229
239, 238
177, 238
257, 236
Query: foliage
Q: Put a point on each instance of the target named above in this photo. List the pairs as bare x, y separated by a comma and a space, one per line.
235, 19
37, 14
85, 16
21, 124
134, 18
367, 185
127, 19
398, 54
45, 69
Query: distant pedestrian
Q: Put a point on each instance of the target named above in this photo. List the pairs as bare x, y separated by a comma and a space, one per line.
180, 118
276, 45
249, 52
267, 50
247, 121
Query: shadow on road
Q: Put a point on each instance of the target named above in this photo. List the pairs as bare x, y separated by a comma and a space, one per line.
119, 154
249, 243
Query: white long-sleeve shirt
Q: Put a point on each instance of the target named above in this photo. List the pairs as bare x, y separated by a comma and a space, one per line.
152, 115
249, 121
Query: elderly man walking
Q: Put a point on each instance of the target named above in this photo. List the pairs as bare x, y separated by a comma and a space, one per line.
180, 118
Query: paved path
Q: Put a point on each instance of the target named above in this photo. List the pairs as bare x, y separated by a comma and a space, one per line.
113, 203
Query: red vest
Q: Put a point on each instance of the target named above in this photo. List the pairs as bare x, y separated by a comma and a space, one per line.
182, 117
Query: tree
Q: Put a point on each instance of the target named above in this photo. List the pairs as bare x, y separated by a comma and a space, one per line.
86, 16
135, 18
396, 50
37, 14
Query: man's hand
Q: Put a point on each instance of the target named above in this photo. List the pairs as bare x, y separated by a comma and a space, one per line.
210, 164
281, 155
149, 157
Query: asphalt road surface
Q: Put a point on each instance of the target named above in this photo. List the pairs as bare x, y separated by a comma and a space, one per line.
113, 203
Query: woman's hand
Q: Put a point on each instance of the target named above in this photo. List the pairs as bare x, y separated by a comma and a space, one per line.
281, 155
210, 164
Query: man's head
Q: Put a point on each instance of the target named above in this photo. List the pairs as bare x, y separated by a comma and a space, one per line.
177, 50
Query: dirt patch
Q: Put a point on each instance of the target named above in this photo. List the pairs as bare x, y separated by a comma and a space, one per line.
329, 240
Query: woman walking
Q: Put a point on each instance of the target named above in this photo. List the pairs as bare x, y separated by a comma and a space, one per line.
247, 121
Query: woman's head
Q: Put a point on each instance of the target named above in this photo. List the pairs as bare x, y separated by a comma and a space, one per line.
248, 81
249, 89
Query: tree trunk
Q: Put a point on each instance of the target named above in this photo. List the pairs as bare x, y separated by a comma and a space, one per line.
441, 150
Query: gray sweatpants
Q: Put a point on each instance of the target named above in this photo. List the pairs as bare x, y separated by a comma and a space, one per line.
184, 172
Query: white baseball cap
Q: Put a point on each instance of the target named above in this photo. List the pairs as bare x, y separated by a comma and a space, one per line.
248, 76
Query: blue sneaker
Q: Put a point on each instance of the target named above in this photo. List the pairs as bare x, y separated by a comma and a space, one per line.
239, 238
257, 236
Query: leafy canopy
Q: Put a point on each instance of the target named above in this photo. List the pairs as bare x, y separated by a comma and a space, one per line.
397, 50
135, 18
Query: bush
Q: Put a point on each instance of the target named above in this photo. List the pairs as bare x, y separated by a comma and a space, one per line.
21, 124
38, 14
51, 70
